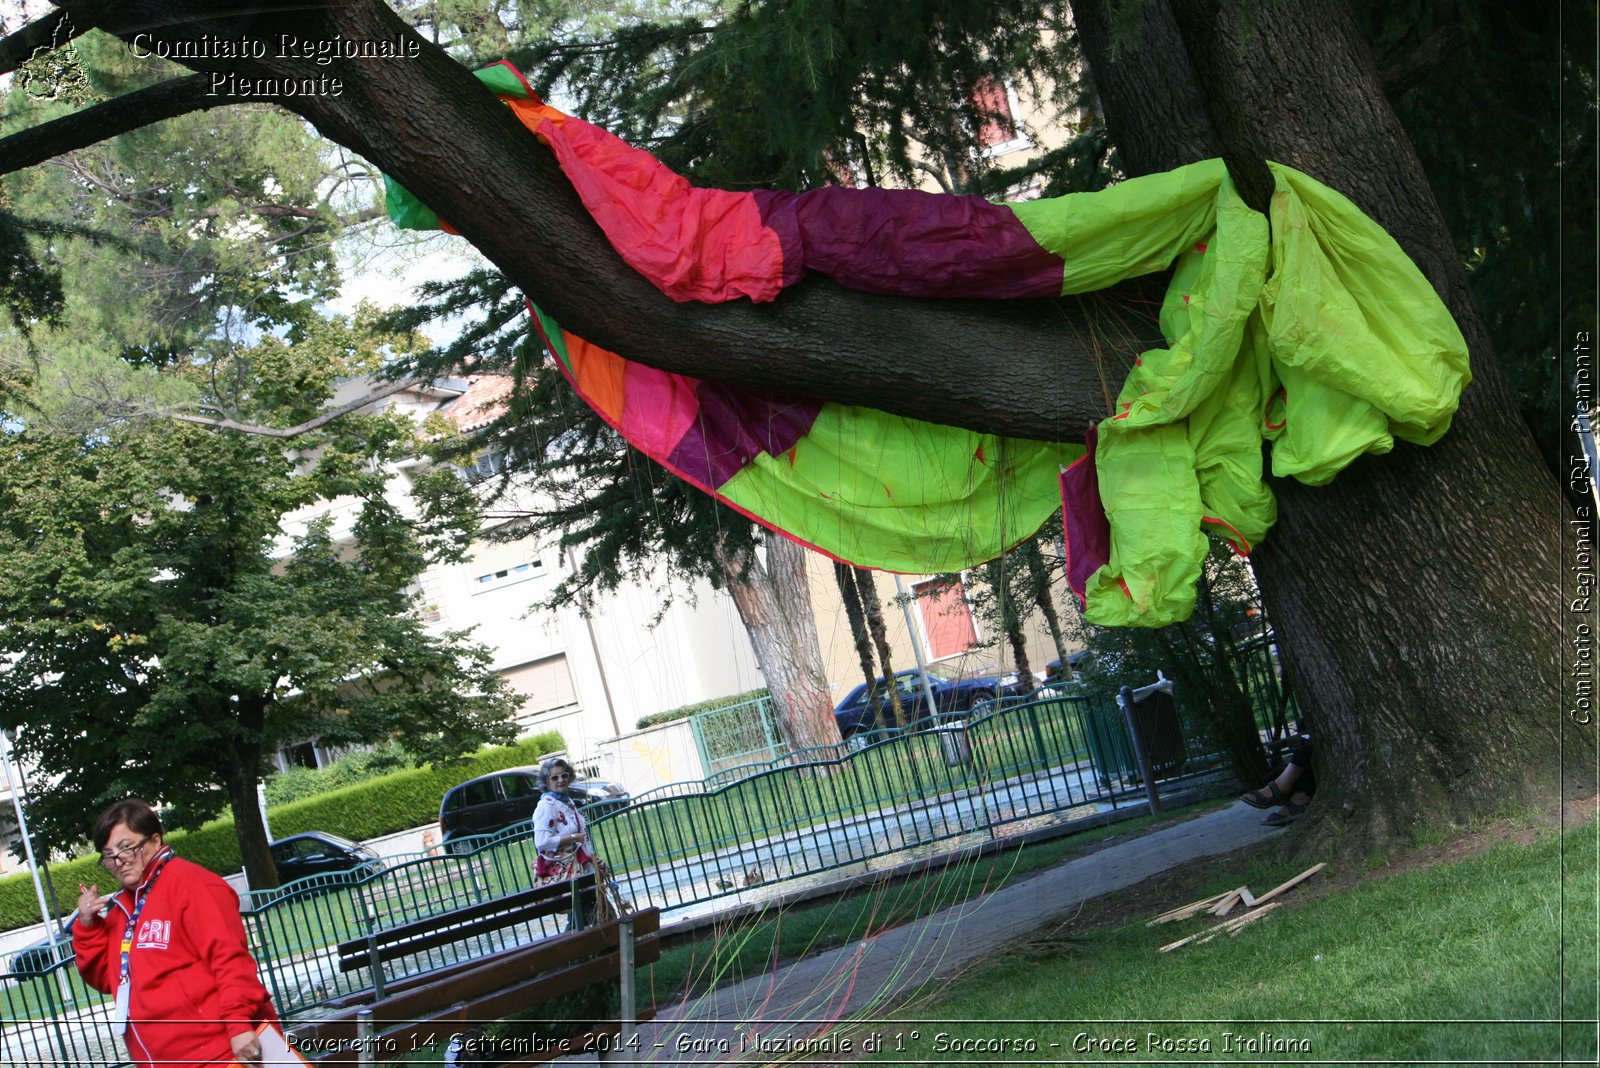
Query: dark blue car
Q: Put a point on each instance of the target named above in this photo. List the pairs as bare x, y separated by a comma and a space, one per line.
36, 957
953, 692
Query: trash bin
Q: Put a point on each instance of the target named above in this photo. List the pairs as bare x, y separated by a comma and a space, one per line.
954, 744
1155, 716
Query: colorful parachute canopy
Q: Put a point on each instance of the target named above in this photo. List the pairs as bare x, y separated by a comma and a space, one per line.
1318, 335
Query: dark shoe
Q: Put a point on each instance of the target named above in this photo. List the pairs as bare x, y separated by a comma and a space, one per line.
1265, 797
1289, 813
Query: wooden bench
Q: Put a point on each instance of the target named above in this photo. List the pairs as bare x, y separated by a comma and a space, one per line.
378, 945
424, 1011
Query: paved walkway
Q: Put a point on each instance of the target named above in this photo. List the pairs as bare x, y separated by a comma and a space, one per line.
764, 1019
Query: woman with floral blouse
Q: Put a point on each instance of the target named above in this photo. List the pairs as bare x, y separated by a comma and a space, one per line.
560, 834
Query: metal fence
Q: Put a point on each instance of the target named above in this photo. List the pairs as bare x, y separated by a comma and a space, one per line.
677, 848
736, 735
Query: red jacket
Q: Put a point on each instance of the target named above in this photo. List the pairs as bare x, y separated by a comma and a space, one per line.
194, 983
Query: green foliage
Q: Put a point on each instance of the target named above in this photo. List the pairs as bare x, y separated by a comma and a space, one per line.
1505, 128
395, 802
685, 711
220, 220
168, 629
296, 783
29, 289
790, 93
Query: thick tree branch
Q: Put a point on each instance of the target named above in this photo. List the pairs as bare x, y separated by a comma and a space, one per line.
1213, 69
1408, 71
295, 431
101, 122
430, 125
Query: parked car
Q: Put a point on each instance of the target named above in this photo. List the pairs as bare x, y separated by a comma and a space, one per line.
321, 853
1057, 674
953, 691
507, 798
35, 957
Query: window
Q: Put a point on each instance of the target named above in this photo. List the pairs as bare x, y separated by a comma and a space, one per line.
486, 464
946, 617
509, 574
304, 755
998, 134
520, 786
502, 563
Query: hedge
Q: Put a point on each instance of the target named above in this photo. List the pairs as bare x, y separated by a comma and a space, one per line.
368, 809
685, 711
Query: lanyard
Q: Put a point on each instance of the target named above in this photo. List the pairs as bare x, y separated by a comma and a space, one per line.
140, 896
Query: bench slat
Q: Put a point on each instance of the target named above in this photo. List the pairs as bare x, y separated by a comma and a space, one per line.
431, 932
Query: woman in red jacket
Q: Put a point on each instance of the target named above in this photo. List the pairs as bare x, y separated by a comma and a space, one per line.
171, 945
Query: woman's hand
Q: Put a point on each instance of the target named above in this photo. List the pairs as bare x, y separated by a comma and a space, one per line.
247, 1047
90, 902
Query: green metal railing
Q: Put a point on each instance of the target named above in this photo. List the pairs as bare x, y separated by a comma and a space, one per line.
736, 735
679, 847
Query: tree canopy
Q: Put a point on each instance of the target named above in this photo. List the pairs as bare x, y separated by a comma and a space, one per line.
172, 614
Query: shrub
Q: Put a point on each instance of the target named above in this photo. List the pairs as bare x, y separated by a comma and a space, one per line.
297, 783
685, 711
395, 802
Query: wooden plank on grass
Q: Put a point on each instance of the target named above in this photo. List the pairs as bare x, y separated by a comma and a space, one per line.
1188, 910
1296, 881
1229, 900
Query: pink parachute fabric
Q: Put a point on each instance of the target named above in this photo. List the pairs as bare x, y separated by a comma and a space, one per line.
1322, 337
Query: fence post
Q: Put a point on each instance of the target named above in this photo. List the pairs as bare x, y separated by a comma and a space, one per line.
366, 1037
374, 961
625, 954
55, 1018
1125, 699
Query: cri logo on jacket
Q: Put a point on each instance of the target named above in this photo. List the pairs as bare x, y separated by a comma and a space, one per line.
154, 934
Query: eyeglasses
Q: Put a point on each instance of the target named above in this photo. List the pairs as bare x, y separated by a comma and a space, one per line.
556, 776
110, 860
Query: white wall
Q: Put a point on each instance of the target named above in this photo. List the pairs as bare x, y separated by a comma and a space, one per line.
655, 756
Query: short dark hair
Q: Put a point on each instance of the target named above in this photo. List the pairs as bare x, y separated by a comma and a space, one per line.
137, 814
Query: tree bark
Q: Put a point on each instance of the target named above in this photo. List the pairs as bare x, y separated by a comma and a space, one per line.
867, 590
242, 776
774, 603
1417, 598
1039, 584
845, 576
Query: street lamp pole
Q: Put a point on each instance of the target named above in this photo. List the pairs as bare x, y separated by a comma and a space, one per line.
13, 784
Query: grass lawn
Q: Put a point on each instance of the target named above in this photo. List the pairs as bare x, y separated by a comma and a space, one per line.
1464, 951
748, 946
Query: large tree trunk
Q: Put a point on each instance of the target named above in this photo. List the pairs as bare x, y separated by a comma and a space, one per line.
1418, 597
845, 576
867, 590
1039, 585
774, 602
241, 776
1011, 615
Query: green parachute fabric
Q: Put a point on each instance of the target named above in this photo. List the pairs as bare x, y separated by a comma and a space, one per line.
1316, 334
